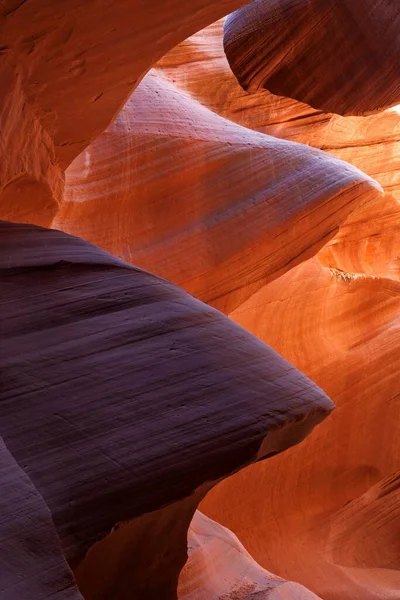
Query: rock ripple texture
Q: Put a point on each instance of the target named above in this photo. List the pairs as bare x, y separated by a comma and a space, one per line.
339, 57
125, 402
169, 181
122, 395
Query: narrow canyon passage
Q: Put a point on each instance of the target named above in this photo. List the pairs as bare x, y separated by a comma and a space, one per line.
199, 300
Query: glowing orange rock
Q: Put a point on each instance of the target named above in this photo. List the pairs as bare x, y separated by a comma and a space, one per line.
214, 207
327, 514
369, 241
66, 69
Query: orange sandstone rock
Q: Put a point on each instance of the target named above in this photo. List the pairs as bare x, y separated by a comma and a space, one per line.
124, 399
327, 514
199, 67
219, 567
369, 241
66, 69
214, 207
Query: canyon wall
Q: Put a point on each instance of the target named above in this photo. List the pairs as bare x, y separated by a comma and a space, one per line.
199, 258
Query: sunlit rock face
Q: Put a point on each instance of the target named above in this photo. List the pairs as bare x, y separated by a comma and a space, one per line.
127, 399
330, 509
370, 240
183, 178
219, 567
66, 69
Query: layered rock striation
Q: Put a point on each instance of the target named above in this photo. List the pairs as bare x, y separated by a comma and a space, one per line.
179, 185
263, 184
331, 514
126, 399
67, 68
337, 57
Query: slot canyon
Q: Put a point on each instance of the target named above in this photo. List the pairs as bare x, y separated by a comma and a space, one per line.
200, 300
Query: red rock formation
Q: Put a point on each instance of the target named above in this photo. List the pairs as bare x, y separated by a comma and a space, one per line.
199, 67
124, 398
329, 510
66, 68
180, 179
370, 240
219, 567
338, 57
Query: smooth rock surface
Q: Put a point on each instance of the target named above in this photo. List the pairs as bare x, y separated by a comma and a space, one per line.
32, 566
339, 57
122, 395
66, 69
219, 567
369, 240
326, 515
214, 207
123, 399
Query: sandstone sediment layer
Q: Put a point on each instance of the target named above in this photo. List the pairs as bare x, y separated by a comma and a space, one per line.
32, 563
126, 383
180, 179
125, 402
220, 567
66, 69
369, 241
330, 509
337, 57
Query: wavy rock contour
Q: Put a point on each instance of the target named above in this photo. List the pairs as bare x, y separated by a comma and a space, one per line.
124, 399
338, 57
32, 563
331, 515
219, 567
66, 69
181, 179
140, 395
369, 240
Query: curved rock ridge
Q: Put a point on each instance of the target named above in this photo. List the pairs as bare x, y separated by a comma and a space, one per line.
31, 182
374, 515
368, 242
339, 57
331, 517
66, 68
199, 67
125, 399
220, 568
32, 564
125, 402
180, 179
